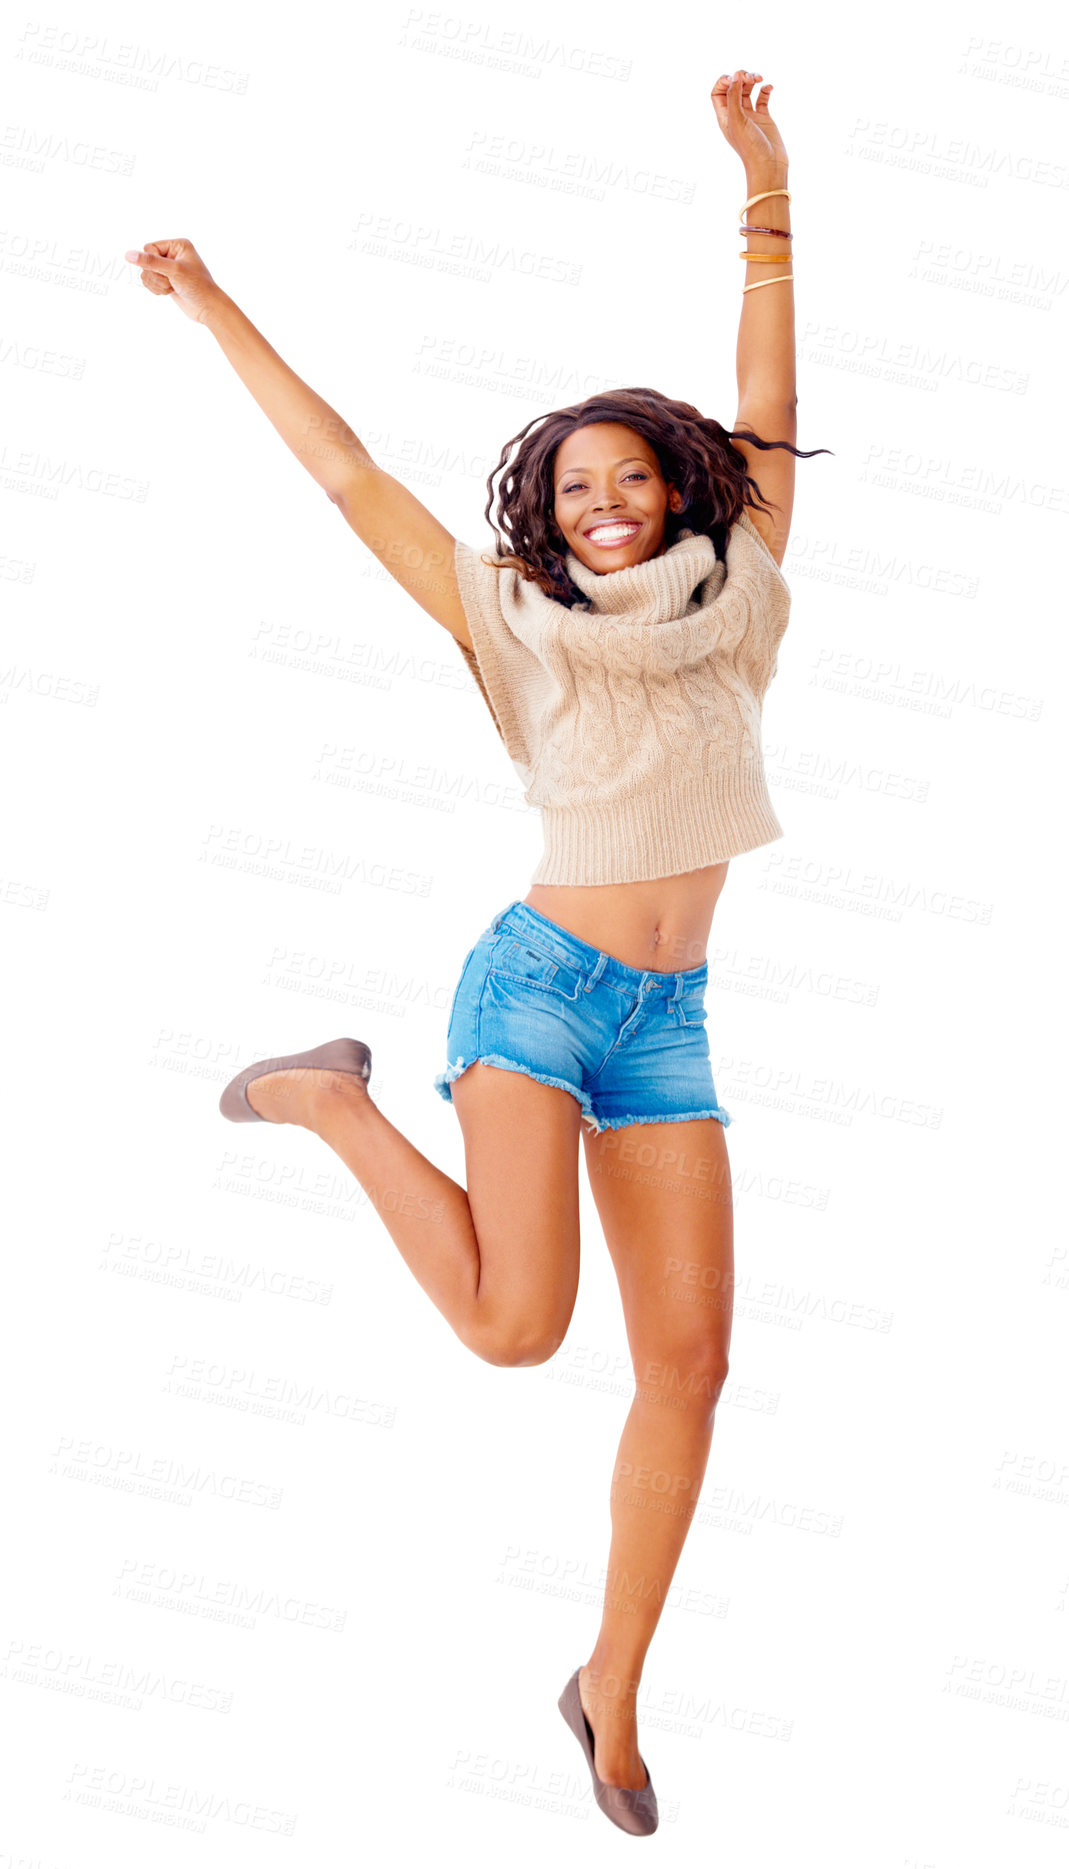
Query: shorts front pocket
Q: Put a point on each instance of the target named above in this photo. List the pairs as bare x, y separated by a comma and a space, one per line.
525, 962
692, 1008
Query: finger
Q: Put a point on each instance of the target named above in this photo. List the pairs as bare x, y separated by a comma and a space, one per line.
719, 99
138, 257
737, 92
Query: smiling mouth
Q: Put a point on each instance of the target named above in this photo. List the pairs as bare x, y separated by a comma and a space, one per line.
614, 532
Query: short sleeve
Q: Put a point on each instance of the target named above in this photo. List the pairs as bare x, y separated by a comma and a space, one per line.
502, 666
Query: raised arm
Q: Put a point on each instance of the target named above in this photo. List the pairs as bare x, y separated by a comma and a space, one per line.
765, 352
408, 540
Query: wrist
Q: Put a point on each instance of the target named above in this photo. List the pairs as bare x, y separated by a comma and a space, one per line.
213, 308
758, 179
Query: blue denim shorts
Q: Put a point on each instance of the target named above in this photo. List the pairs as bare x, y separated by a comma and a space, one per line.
629, 1046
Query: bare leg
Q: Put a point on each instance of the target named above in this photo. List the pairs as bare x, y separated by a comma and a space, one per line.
673, 1252
499, 1260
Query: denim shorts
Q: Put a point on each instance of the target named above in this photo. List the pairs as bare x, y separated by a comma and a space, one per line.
629, 1046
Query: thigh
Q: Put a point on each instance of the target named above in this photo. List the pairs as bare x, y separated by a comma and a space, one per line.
660, 1068
663, 1195
521, 1152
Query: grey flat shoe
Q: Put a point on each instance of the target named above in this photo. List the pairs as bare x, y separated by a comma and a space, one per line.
633, 1811
338, 1054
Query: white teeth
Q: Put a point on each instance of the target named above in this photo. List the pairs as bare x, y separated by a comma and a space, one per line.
621, 531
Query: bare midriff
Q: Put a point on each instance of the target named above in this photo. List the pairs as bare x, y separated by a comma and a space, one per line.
661, 927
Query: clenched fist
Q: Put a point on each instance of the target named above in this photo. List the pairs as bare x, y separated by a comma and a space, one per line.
175, 266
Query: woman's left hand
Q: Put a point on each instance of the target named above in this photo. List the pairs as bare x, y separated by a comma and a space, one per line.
748, 127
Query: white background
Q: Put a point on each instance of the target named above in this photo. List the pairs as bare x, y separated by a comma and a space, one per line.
238, 1639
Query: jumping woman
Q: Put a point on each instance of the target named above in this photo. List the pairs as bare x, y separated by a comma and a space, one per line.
622, 635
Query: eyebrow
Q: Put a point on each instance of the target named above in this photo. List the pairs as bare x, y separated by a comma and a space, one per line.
585, 470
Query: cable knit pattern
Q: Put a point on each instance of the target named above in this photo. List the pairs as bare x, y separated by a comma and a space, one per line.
634, 718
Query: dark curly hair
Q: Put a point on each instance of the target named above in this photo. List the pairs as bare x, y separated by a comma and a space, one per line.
692, 449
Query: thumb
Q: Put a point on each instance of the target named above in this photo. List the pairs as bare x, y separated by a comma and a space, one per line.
151, 260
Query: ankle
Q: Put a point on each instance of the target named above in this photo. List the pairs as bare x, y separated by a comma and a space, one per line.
612, 1681
334, 1094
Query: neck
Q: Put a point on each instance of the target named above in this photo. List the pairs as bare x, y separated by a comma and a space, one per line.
657, 589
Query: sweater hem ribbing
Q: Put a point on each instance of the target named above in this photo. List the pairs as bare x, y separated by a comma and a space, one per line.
655, 835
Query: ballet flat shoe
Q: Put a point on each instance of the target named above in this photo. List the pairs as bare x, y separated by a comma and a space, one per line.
338, 1054
632, 1810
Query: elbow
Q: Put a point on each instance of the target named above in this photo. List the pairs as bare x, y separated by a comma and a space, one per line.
348, 475
350, 478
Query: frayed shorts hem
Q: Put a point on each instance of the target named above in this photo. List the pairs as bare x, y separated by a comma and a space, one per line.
595, 1123
681, 1116
447, 1077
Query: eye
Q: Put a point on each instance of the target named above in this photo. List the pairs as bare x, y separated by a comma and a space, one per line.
635, 474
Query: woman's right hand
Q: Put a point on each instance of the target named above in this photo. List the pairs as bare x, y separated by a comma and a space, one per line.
175, 266
746, 123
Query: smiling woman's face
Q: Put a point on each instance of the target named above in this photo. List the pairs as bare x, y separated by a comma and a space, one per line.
607, 475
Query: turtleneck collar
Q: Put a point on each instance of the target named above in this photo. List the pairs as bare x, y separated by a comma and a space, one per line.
659, 590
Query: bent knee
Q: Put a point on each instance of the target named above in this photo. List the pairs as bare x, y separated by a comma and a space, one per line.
519, 1345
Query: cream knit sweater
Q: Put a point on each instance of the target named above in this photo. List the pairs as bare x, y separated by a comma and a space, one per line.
634, 721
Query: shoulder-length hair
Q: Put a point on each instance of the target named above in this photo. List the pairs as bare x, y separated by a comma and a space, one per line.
692, 449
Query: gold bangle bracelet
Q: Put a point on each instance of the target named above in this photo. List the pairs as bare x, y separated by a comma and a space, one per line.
754, 199
766, 257
758, 283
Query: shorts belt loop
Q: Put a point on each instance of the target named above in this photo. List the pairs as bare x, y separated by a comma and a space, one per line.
596, 972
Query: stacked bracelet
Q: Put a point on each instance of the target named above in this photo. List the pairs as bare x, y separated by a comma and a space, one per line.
780, 233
